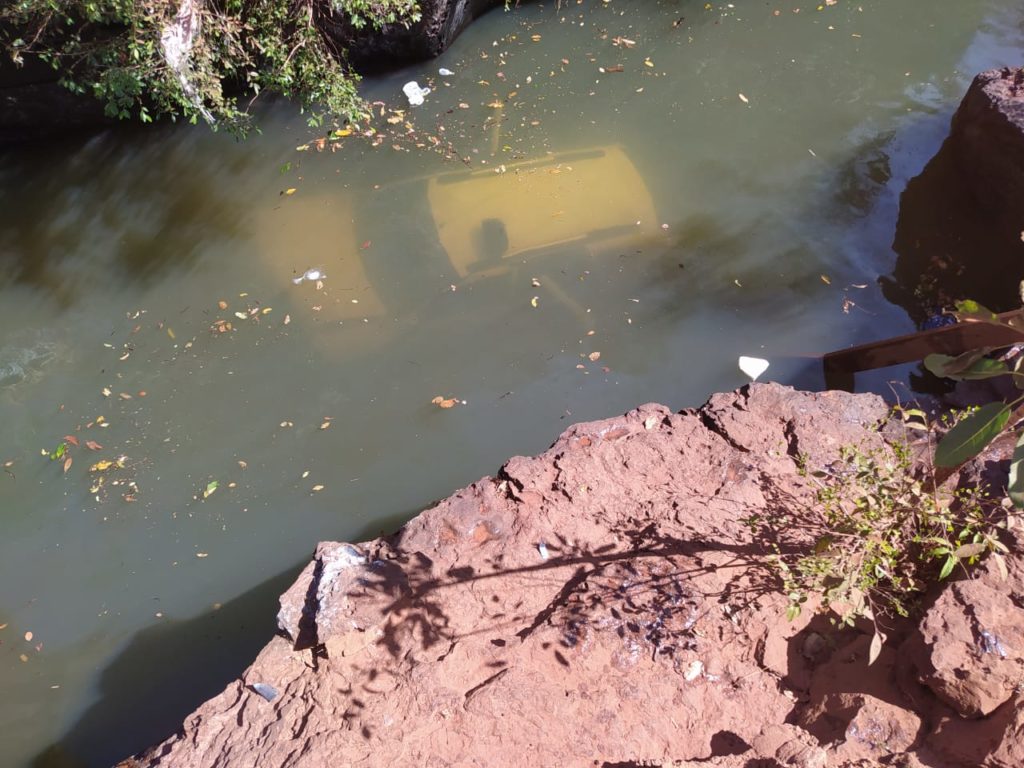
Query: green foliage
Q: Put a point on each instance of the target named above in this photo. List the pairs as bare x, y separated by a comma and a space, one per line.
112, 49
879, 536
971, 434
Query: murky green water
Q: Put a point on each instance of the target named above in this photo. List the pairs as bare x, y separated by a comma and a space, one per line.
593, 241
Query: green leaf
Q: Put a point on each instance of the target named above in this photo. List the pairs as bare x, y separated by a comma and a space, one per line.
972, 434
210, 488
968, 366
947, 567
1015, 487
970, 550
875, 649
943, 365
972, 310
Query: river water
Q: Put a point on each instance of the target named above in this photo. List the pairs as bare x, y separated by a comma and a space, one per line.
545, 240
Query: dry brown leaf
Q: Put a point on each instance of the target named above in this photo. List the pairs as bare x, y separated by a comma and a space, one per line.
67, 464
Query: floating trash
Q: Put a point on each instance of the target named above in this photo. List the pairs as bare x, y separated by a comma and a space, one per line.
268, 692
414, 93
310, 274
753, 366
445, 72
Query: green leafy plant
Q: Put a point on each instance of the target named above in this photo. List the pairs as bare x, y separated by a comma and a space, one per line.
197, 59
971, 434
877, 536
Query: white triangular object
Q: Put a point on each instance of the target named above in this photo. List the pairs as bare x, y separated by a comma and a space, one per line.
753, 366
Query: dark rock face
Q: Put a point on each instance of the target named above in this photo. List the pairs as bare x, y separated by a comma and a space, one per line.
959, 230
988, 143
33, 105
397, 45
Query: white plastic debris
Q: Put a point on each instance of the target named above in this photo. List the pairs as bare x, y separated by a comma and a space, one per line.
693, 671
753, 366
542, 548
177, 40
445, 72
310, 274
414, 93
268, 692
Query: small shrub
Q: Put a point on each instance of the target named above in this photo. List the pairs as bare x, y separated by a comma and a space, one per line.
877, 536
114, 50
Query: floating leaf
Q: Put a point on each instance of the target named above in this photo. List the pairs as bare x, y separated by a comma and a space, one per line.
971, 434
210, 488
92, 445
67, 464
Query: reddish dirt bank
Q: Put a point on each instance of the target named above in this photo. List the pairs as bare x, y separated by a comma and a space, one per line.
603, 604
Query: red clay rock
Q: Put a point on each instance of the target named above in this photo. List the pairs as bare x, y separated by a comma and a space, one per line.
600, 604
971, 649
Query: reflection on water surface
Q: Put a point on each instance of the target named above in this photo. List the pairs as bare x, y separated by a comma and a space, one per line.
597, 240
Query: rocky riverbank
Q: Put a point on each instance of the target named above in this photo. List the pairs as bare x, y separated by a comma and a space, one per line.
604, 604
